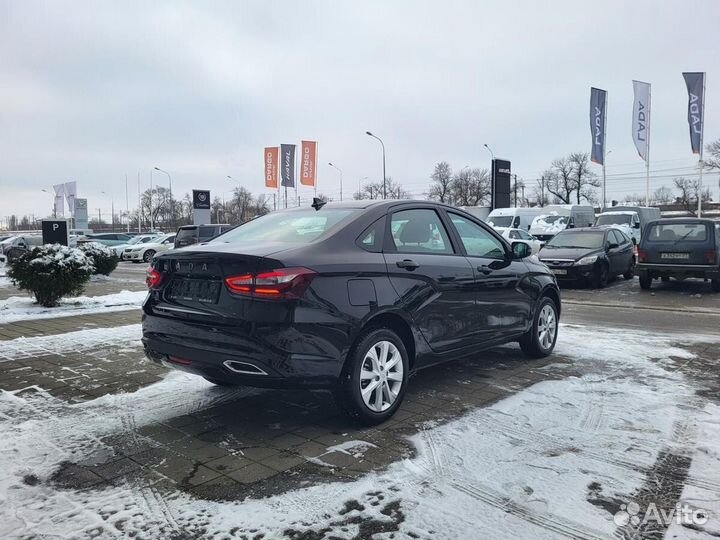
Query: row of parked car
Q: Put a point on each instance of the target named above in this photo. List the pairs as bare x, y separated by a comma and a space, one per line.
578, 246
127, 246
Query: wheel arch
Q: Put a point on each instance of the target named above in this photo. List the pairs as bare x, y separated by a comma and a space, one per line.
398, 324
554, 295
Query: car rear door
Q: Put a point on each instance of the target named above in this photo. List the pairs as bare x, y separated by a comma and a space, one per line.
501, 306
434, 281
683, 243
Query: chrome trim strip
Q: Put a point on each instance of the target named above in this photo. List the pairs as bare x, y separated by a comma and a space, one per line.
181, 310
256, 370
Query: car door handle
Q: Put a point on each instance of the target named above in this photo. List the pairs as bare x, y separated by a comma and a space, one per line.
407, 264
484, 268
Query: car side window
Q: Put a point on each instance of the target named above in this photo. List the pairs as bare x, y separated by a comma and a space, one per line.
514, 235
371, 239
419, 231
616, 238
523, 235
477, 241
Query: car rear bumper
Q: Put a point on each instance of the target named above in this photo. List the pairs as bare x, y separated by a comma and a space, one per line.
702, 271
273, 357
572, 273
131, 256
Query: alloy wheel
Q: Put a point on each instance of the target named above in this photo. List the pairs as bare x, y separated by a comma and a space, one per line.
381, 376
547, 326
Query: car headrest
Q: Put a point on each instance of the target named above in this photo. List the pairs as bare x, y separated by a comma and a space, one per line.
415, 231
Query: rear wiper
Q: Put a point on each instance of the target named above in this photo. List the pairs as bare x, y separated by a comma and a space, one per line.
683, 237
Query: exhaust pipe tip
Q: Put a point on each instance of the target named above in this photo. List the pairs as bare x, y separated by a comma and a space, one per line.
243, 368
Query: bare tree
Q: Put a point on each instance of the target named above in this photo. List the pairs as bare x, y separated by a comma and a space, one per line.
585, 180
559, 180
663, 195
374, 190
712, 155
441, 187
689, 192
471, 187
540, 192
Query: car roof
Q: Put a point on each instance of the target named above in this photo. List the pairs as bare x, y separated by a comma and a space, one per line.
683, 220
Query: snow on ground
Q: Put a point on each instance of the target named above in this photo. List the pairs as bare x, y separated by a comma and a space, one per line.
519, 468
71, 342
18, 308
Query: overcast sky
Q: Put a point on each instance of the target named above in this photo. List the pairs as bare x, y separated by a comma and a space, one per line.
94, 91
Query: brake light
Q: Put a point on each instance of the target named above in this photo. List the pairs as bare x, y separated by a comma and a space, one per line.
710, 257
642, 255
153, 278
283, 283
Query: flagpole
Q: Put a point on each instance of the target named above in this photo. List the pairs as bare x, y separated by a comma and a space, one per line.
647, 149
700, 161
604, 186
139, 206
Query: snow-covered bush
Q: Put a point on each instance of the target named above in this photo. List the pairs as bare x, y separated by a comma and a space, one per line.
103, 258
51, 272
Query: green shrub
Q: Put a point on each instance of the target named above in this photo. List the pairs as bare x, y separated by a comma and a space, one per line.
103, 258
51, 272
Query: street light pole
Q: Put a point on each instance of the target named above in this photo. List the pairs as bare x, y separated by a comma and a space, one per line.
383, 156
339, 169
172, 202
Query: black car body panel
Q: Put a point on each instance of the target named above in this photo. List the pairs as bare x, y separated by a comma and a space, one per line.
680, 248
448, 306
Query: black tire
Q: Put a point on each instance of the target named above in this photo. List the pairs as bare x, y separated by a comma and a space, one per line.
220, 382
530, 343
715, 284
601, 277
148, 255
348, 391
645, 281
665, 279
630, 274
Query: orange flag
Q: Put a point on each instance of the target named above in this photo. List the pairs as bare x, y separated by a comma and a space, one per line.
308, 161
271, 167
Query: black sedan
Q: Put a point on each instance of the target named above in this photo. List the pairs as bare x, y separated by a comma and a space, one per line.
593, 255
351, 297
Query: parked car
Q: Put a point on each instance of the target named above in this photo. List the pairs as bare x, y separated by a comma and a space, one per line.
188, 235
15, 246
106, 239
680, 248
593, 255
514, 218
135, 240
519, 235
351, 297
144, 252
558, 217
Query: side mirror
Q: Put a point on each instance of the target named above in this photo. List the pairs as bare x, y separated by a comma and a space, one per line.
611, 245
571, 223
520, 250
636, 225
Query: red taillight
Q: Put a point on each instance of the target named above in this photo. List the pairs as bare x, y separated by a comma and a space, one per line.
642, 255
153, 278
283, 283
710, 257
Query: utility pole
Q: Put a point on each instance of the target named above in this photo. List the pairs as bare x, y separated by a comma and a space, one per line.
542, 191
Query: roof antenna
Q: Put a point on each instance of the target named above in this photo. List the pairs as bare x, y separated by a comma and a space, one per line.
318, 203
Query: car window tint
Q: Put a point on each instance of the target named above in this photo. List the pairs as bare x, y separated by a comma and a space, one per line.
207, 232
514, 235
186, 234
371, 238
671, 232
523, 235
419, 231
477, 241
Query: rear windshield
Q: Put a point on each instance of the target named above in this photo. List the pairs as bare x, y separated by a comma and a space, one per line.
500, 221
295, 227
587, 240
184, 234
673, 232
616, 219
208, 232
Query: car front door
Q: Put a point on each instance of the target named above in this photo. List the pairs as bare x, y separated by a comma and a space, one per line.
434, 281
502, 308
614, 252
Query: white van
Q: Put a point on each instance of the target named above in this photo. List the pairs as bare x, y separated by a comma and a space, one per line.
514, 218
558, 217
639, 217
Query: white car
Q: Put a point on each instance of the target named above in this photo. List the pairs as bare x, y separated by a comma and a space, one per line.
134, 241
144, 252
519, 235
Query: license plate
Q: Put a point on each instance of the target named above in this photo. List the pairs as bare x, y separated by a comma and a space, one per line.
675, 256
195, 290
559, 272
